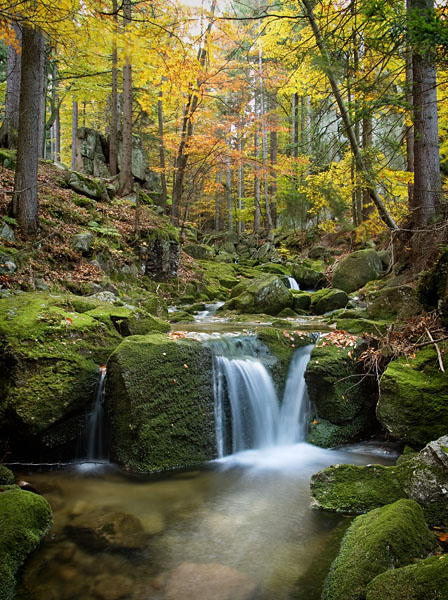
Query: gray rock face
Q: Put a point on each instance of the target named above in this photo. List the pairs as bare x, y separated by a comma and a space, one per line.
161, 259
83, 242
7, 265
357, 269
6, 233
93, 188
427, 481
91, 151
199, 251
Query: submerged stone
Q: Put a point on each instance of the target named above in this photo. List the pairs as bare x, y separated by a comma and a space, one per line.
385, 538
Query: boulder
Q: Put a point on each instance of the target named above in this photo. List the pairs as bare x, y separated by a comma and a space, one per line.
321, 252
91, 152
25, 518
425, 580
301, 300
357, 269
308, 278
325, 434
326, 300
393, 302
193, 581
102, 530
413, 404
432, 289
385, 538
267, 295
6, 233
161, 255
93, 188
159, 397
83, 241
6, 476
7, 265
199, 251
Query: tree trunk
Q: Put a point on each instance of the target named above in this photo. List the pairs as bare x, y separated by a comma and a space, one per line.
384, 213
257, 205
10, 125
25, 199
126, 179
427, 181
273, 148
240, 185
113, 136
229, 195
43, 100
163, 200
74, 132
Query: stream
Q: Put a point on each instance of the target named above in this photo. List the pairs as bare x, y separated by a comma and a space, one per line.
241, 523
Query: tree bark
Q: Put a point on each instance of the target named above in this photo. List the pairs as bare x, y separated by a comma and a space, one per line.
240, 185
113, 136
257, 205
384, 213
126, 179
163, 200
427, 180
74, 132
25, 199
10, 125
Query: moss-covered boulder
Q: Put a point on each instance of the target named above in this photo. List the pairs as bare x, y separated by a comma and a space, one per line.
357, 269
88, 186
159, 397
353, 489
199, 251
413, 404
6, 476
301, 300
393, 302
360, 326
338, 392
309, 278
129, 320
385, 538
24, 520
268, 295
327, 300
425, 580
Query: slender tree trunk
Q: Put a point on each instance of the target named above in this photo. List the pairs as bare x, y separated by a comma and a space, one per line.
25, 199
163, 200
240, 185
218, 181
294, 124
57, 133
366, 203
273, 147
43, 99
126, 179
229, 195
409, 135
74, 132
257, 203
10, 125
427, 181
113, 137
384, 213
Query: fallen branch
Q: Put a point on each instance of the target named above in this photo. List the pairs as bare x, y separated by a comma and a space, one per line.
439, 354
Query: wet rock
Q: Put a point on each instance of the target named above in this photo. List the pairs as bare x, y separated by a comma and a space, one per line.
112, 587
308, 278
192, 581
113, 530
161, 258
357, 269
385, 538
413, 404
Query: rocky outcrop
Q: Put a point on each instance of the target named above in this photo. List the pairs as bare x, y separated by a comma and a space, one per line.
267, 295
357, 269
413, 404
161, 255
159, 397
25, 518
343, 402
326, 300
385, 538
393, 302
88, 186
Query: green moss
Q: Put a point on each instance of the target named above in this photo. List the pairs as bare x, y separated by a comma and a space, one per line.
181, 316
413, 404
360, 326
8, 158
301, 300
425, 580
327, 300
385, 538
24, 519
328, 435
128, 321
355, 489
160, 400
6, 476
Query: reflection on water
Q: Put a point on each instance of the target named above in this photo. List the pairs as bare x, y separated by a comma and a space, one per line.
116, 537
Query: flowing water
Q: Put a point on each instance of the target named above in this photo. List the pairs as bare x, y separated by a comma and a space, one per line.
246, 516
293, 285
92, 447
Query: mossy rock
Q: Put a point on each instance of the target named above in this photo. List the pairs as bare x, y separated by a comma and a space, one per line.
301, 300
432, 289
425, 580
309, 278
326, 300
93, 188
267, 295
328, 435
353, 489
413, 404
159, 396
357, 269
8, 158
199, 251
48, 363
393, 302
129, 321
287, 312
360, 326
25, 518
385, 538
335, 383
181, 316
6, 476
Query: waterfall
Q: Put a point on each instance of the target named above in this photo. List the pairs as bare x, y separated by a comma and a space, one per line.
243, 383
95, 450
293, 285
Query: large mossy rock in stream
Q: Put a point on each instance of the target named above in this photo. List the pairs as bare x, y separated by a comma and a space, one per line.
425, 580
338, 391
357, 269
385, 538
310, 275
326, 300
393, 302
159, 398
51, 347
422, 477
268, 295
413, 403
25, 518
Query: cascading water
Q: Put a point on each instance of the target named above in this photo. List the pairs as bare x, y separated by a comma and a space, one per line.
95, 450
293, 285
257, 418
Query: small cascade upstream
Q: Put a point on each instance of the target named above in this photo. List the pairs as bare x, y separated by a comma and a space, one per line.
293, 285
258, 420
95, 450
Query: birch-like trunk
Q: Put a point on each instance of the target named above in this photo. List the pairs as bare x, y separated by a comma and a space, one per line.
126, 179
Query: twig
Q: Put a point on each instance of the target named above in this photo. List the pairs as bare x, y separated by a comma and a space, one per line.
439, 354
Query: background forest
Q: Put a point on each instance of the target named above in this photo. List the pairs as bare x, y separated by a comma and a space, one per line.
252, 116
